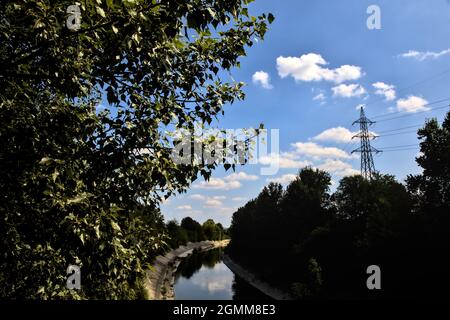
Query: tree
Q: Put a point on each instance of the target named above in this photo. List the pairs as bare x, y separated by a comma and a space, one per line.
269, 233
431, 194
193, 229
374, 209
305, 204
431, 189
316, 245
222, 231
177, 235
80, 185
211, 231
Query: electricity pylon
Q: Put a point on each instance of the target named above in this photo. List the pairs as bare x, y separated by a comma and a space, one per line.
366, 150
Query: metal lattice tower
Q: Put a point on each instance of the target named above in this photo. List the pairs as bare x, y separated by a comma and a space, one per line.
366, 150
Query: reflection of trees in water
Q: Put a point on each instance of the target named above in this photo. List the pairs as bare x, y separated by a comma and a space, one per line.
191, 265
188, 267
242, 290
212, 257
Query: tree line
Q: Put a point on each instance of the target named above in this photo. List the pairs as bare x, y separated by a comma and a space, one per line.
192, 231
318, 244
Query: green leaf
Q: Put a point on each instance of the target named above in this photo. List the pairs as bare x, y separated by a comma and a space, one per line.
81, 236
211, 12
45, 160
100, 11
115, 225
97, 231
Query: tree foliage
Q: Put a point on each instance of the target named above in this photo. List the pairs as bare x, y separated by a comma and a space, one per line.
87, 131
192, 231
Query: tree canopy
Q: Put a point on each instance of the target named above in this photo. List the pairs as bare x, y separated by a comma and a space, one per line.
88, 117
192, 231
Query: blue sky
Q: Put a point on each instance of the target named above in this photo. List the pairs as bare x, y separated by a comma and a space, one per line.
318, 62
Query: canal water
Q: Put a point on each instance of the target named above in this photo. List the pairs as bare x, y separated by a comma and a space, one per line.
203, 276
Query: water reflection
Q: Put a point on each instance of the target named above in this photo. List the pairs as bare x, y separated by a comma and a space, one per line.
203, 276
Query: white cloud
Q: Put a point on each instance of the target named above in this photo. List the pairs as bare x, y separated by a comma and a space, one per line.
309, 67
209, 202
320, 97
238, 199
333, 166
386, 90
338, 134
348, 90
185, 207
263, 79
285, 160
214, 282
197, 197
314, 150
424, 55
338, 167
213, 203
412, 104
284, 179
241, 176
218, 184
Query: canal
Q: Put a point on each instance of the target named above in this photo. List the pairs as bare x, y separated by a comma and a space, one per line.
203, 276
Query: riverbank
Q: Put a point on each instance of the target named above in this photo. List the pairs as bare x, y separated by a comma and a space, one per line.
259, 284
160, 280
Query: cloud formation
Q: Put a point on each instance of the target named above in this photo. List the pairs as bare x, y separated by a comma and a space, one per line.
424, 55
338, 167
412, 104
284, 179
184, 207
348, 90
241, 176
386, 90
319, 97
262, 78
197, 197
213, 203
338, 134
218, 184
285, 160
313, 150
309, 67
209, 202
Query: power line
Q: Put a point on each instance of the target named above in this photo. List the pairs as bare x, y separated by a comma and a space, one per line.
395, 150
413, 114
401, 146
396, 134
397, 112
408, 127
412, 86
